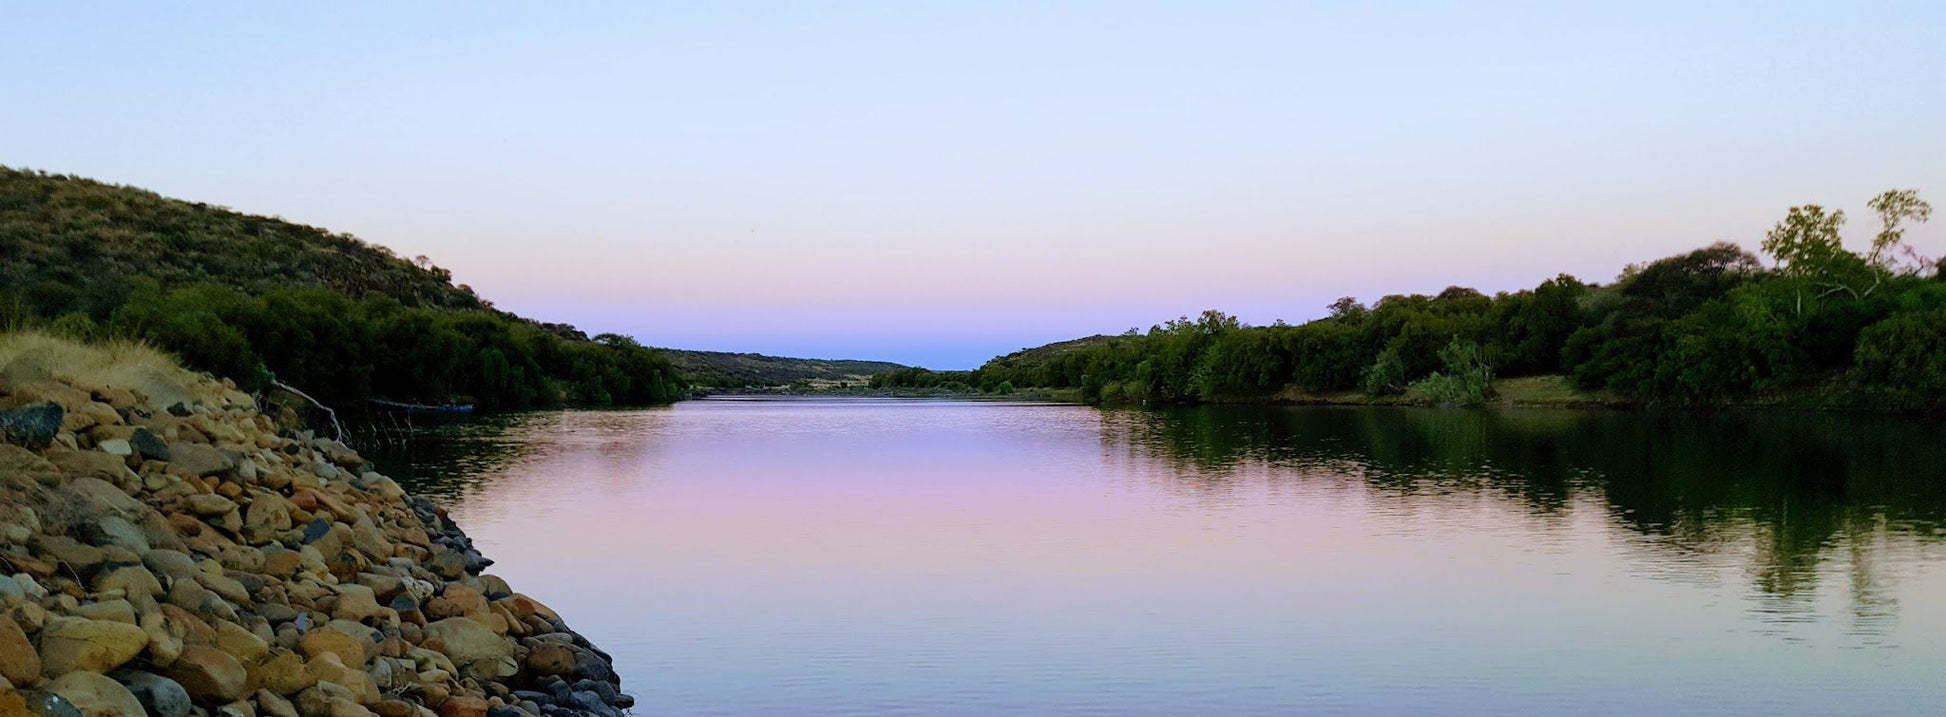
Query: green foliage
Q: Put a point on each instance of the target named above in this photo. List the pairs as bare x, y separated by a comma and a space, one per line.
1707, 326
1387, 374
1464, 378
1903, 359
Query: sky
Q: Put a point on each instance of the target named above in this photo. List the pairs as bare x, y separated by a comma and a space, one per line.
936, 183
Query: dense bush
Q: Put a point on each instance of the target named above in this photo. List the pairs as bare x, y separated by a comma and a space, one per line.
1708, 326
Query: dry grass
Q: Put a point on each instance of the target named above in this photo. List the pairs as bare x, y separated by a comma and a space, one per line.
118, 364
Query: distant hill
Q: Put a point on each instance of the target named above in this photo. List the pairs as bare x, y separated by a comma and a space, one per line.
720, 369
1041, 354
261, 300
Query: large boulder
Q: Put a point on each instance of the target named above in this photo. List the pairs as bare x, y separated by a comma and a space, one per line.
70, 644
467, 641
210, 675
32, 426
161, 696
95, 695
20, 663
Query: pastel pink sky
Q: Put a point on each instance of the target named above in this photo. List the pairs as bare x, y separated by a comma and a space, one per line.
939, 184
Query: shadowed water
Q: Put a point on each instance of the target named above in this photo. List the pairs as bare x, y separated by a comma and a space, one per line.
885, 557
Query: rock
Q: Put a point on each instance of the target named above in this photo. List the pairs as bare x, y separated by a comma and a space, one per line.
161, 696
89, 463
69, 644
117, 531
32, 427
467, 640
550, 659
209, 675
456, 600
321, 641
99, 496
136, 583
200, 460
356, 603
236, 640
269, 704
148, 446
42, 703
20, 663
210, 505
464, 706
95, 694
172, 564
328, 668
80, 558
117, 610
282, 673
117, 447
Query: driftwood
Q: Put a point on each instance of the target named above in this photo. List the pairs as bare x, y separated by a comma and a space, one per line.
336, 429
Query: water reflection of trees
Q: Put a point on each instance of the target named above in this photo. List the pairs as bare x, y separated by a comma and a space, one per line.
1801, 489
452, 461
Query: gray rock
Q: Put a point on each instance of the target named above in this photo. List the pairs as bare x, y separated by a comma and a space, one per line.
115, 530
32, 427
171, 564
148, 446
47, 704
160, 696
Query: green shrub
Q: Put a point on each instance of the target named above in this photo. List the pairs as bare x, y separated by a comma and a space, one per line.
1386, 376
1465, 379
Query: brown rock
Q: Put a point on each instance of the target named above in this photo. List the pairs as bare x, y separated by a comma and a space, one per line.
210, 675
96, 695
282, 672
244, 644
19, 662
321, 641
282, 563
455, 601
464, 706
199, 460
551, 658
269, 704
95, 464
210, 505
69, 644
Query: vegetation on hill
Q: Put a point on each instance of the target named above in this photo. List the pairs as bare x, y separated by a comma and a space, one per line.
1820, 326
725, 370
258, 299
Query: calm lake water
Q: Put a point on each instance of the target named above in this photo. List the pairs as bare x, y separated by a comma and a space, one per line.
896, 557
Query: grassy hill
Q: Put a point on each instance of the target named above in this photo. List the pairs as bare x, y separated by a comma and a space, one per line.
258, 299
719, 369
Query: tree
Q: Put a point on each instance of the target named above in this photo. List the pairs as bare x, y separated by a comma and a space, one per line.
1894, 208
1807, 247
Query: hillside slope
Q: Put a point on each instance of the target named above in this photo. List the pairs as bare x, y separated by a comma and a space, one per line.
258, 299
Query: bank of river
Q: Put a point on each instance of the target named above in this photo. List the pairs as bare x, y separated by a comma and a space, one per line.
862, 556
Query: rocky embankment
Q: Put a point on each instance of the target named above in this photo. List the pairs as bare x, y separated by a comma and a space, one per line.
166, 548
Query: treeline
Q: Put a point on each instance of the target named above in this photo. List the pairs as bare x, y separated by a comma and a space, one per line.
1821, 325
257, 299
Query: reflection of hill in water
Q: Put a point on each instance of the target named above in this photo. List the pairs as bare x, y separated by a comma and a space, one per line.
451, 461
1782, 492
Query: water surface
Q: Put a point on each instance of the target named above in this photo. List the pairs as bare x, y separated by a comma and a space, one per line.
887, 557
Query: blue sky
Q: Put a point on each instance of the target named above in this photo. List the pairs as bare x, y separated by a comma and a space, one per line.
941, 182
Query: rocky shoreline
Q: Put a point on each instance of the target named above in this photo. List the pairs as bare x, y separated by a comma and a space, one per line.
167, 548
